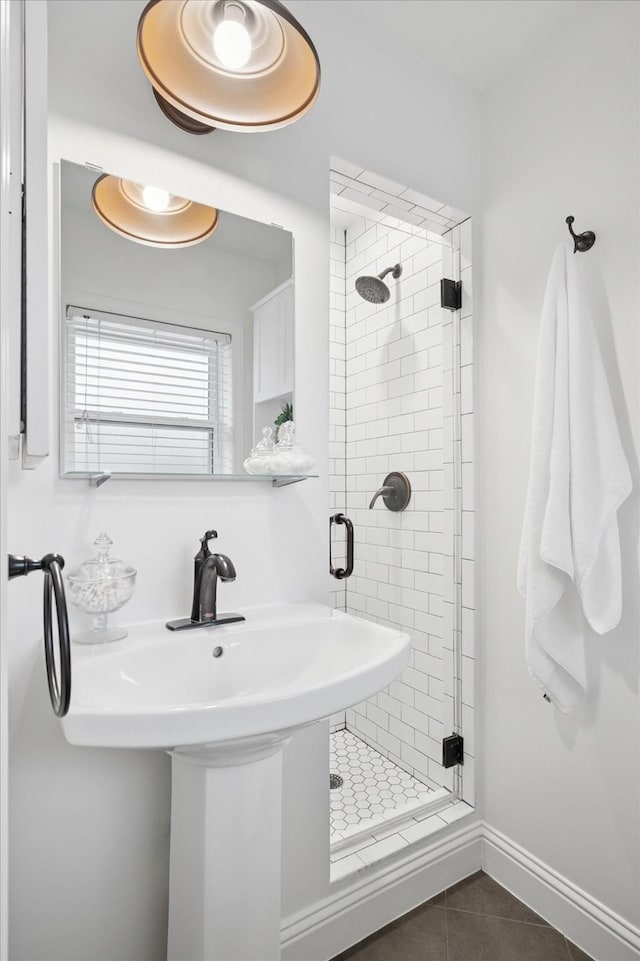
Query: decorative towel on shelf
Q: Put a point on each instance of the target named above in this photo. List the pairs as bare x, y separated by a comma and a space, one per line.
569, 566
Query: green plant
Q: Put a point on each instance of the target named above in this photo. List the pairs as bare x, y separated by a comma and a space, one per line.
286, 414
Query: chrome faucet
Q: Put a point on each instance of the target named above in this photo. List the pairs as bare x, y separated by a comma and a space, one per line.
208, 568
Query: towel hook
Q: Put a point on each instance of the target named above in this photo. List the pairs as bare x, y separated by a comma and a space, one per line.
583, 241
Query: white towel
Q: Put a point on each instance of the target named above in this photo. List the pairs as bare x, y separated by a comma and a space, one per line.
569, 567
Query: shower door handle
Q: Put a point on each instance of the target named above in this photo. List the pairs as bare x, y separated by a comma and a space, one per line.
341, 572
51, 565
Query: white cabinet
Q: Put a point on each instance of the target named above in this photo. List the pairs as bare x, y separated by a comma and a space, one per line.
273, 345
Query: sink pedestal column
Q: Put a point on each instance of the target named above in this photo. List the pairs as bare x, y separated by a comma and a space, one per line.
226, 826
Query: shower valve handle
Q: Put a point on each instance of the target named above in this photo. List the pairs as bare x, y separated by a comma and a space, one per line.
381, 492
395, 492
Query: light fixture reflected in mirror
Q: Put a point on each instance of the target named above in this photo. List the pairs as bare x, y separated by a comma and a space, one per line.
151, 216
243, 65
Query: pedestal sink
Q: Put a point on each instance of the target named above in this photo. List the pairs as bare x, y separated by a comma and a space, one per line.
223, 702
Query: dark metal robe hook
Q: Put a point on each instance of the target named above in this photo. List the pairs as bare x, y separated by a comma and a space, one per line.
583, 241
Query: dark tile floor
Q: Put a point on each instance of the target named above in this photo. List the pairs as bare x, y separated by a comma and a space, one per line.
477, 920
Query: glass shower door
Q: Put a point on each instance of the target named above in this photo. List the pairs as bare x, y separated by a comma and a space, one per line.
397, 405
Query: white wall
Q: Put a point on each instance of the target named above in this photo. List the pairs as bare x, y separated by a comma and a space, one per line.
560, 139
104, 815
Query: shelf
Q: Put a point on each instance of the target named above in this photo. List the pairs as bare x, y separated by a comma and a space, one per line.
97, 479
283, 480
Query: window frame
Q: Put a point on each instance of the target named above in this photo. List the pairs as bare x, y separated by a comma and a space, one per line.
196, 326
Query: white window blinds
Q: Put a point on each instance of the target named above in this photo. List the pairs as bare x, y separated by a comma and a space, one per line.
142, 397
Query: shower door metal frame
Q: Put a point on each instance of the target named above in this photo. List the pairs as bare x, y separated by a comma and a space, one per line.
461, 495
457, 526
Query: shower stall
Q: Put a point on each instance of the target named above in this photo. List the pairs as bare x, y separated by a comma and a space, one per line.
401, 403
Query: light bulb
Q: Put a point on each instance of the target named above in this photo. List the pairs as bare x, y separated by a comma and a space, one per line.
232, 44
155, 199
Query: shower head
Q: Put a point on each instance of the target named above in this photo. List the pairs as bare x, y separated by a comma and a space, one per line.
374, 289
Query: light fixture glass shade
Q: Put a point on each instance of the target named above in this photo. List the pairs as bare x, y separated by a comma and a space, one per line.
278, 83
120, 204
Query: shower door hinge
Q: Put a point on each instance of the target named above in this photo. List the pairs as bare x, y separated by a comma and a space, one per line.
451, 294
452, 750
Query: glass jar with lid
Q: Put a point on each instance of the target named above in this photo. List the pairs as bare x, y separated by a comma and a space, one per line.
256, 462
99, 587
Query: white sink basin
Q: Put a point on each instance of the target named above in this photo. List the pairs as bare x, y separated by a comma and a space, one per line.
226, 720
282, 668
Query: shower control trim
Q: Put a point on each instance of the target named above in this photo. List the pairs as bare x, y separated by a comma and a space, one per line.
395, 492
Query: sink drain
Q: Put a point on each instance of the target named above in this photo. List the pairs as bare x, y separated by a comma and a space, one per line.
335, 781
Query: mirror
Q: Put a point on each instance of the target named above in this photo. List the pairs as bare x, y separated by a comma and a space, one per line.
173, 358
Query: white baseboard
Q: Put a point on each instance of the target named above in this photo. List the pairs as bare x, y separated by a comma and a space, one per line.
600, 932
365, 902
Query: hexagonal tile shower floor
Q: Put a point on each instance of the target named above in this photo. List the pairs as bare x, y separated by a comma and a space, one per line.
373, 787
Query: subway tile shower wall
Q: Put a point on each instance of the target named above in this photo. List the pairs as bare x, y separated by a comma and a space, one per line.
400, 397
395, 422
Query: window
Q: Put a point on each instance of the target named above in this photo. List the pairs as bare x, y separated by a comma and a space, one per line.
142, 397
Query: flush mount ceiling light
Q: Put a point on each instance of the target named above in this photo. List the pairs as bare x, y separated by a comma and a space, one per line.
151, 216
235, 64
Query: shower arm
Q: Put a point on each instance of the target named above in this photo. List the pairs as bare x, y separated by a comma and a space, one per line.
395, 271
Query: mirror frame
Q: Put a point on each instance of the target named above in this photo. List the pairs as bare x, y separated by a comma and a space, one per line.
175, 174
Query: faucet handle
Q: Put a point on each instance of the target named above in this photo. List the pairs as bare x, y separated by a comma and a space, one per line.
382, 492
395, 492
207, 536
